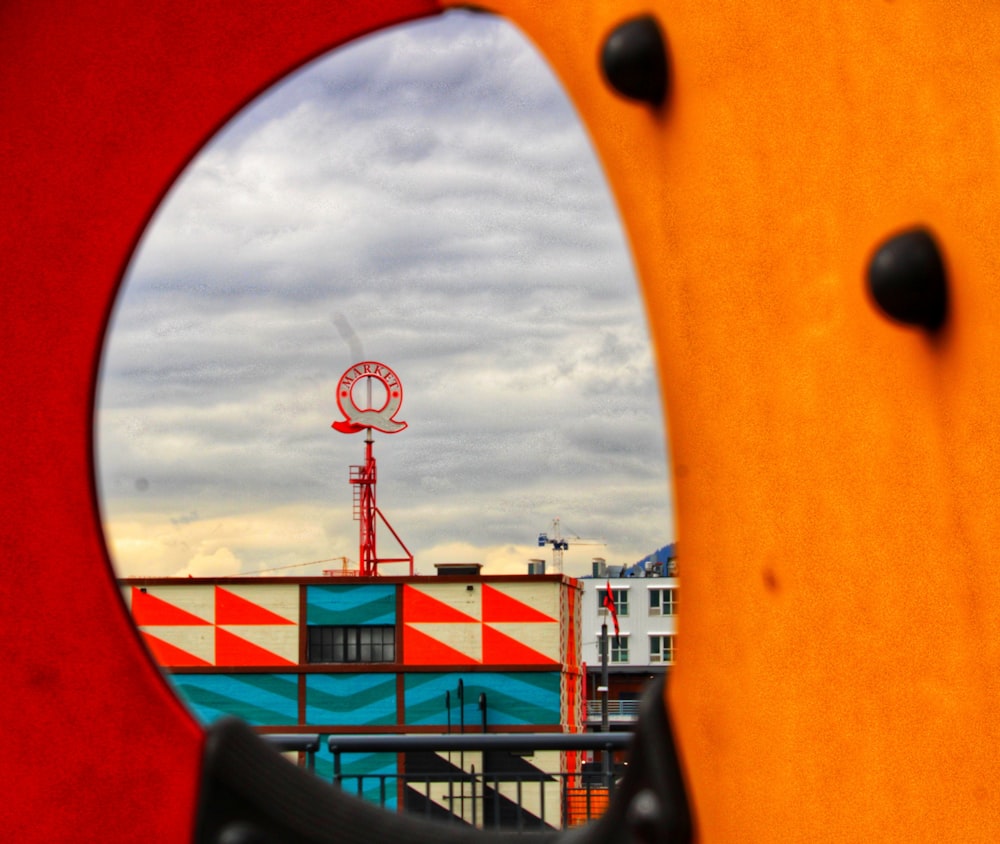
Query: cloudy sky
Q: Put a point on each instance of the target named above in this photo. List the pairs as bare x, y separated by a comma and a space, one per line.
425, 198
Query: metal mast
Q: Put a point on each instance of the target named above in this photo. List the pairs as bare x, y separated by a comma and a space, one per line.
363, 478
559, 544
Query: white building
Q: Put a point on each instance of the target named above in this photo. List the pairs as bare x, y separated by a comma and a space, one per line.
646, 644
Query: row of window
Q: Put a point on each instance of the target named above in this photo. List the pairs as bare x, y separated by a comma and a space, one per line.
662, 601
377, 643
662, 648
351, 643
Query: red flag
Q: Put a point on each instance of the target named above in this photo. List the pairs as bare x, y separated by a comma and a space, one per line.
609, 605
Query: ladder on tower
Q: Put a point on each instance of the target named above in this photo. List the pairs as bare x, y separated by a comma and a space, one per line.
359, 480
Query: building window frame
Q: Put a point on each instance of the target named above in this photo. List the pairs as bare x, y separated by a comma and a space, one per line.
662, 648
618, 649
348, 644
663, 600
620, 596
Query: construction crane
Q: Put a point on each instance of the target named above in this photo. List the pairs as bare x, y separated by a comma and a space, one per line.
560, 543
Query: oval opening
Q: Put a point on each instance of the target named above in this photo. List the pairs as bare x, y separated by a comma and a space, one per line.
427, 198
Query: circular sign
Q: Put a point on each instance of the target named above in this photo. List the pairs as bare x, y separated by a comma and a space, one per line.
359, 418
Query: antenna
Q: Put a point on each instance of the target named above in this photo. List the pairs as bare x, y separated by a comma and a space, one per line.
364, 477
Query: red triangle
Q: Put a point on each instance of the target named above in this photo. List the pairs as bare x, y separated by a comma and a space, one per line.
150, 611
232, 650
419, 606
170, 656
499, 606
421, 649
500, 649
230, 608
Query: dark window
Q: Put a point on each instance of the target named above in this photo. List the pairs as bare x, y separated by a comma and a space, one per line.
341, 643
621, 601
619, 648
663, 601
662, 648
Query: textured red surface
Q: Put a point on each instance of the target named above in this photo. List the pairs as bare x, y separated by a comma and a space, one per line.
101, 104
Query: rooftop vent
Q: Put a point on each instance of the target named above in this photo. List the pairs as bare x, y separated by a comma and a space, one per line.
463, 569
536, 567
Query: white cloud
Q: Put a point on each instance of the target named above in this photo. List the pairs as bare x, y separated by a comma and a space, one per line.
296, 539
432, 188
219, 563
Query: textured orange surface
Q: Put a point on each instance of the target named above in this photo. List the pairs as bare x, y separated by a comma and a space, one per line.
835, 473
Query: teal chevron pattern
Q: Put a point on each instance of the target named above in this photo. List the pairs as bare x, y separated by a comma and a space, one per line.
518, 698
351, 604
378, 771
259, 699
350, 700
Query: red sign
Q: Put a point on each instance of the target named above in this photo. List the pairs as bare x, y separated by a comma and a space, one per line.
359, 417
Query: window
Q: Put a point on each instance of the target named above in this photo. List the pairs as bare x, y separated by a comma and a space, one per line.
619, 648
661, 648
663, 601
336, 643
621, 601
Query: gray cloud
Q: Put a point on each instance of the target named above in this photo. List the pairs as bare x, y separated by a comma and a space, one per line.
427, 196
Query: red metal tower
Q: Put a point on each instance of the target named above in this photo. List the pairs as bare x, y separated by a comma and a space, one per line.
364, 477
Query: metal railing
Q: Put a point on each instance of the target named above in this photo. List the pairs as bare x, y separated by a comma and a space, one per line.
307, 743
627, 710
490, 796
510, 742
488, 780
553, 800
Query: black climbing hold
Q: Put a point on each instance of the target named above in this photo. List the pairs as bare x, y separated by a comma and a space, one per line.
634, 60
243, 833
906, 278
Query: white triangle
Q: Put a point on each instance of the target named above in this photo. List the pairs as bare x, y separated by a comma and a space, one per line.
541, 636
466, 638
276, 638
195, 640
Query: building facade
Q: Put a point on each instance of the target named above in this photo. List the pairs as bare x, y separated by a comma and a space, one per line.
645, 647
371, 655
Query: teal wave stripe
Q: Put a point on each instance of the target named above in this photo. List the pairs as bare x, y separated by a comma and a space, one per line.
351, 604
351, 699
259, 699
524, 698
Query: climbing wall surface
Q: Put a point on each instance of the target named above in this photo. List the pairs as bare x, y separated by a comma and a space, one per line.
809, 196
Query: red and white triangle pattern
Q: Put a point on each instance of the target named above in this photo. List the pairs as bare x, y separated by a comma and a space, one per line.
494, 626
205, 625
